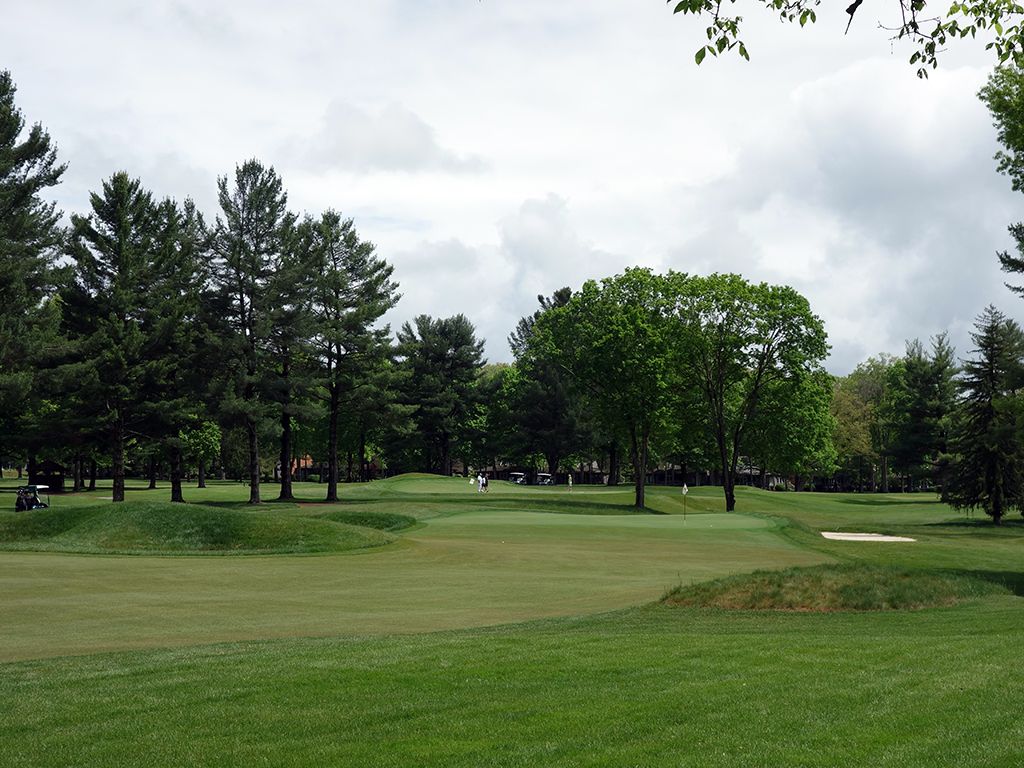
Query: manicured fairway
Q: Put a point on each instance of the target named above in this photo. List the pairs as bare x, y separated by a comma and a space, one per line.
406, 654
463, 570
649, 687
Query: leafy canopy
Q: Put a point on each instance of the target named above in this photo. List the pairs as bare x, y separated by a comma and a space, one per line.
927, 28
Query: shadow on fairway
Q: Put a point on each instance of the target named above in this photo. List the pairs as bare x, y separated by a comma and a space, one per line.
464, 504
1011, 580
870, 501
984, 525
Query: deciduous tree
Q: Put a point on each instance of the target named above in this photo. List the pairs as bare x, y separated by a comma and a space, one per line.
741, 342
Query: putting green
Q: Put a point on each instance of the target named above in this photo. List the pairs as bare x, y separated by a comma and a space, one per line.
471, 569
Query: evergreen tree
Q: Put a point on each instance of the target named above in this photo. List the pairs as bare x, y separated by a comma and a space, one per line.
350, 289
988, 456
30, 241
927, 398
543, 409
441, 360
248, 245
113, 313
179, 376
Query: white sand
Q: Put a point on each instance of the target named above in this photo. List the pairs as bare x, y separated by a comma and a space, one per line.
862, 536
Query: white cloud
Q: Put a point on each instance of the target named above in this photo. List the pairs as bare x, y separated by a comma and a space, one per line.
391, 138
498, 150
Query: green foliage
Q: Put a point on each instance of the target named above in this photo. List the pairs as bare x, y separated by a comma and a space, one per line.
202, 442
615, 341
1003, 94
543, 415
440, 361
249, 245
118, 315
30, 237
347, 289
988, 453
910, 20
927, 400
753, 354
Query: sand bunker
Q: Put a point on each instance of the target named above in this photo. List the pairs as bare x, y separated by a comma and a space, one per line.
837, 536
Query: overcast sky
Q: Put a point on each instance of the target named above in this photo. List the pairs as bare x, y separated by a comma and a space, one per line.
498, 149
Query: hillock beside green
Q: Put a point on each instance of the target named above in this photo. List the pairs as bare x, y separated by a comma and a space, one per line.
381, 521
825, 588
153, 527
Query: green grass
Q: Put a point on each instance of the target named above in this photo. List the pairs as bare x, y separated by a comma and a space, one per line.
160, 527
648, 687
384, 521
847, 587
522, 628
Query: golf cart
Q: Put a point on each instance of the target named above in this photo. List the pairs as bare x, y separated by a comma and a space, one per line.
543, 478
519, 478
28, 498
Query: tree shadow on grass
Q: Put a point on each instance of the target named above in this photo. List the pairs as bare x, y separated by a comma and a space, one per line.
870, 500
983, 522
1012, 580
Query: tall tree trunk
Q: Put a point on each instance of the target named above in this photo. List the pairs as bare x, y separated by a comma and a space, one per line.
638, 452
77, 482
332, 446
152, 473
93, 471
364, 471
254, 460
286, 457
202, 474
728, 474
176, 475
885, 474
348, 466
552, 459
117, 460
613, 463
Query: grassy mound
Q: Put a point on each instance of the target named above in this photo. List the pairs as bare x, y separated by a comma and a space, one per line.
822, 588
381, 521
161, 527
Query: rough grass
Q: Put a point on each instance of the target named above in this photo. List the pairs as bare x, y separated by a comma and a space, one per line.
824, 588
154, 527
381, 521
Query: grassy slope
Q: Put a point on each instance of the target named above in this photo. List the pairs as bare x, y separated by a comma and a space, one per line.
162, 527
650, 686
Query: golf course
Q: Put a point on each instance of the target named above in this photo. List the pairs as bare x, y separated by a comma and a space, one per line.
419, 622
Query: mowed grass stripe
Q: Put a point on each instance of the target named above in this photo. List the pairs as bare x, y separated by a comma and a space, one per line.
645, 687
462, 570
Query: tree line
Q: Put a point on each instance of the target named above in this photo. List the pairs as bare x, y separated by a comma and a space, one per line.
145, 334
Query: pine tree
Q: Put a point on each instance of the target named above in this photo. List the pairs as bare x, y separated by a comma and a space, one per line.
112, 313
441, 360
988, 465
178, 376
30, 239
350, 290
248, 246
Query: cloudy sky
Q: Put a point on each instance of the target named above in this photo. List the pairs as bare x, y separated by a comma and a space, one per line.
497, 149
